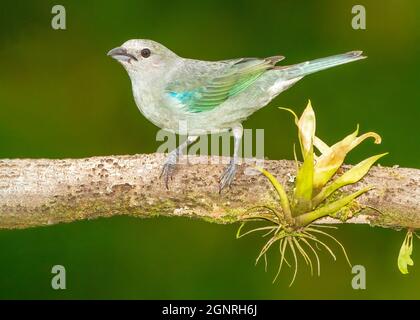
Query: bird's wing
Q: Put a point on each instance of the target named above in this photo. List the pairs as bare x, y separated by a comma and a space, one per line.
204, 87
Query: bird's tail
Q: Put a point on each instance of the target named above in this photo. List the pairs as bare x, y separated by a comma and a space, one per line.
308, 67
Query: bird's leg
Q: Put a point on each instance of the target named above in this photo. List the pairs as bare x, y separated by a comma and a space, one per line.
229, 174
172, 159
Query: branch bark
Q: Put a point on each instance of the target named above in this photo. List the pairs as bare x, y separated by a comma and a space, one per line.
44, 192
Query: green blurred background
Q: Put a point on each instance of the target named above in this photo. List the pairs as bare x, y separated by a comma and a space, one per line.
61, 96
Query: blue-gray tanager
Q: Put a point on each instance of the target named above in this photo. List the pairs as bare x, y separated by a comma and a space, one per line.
208, 96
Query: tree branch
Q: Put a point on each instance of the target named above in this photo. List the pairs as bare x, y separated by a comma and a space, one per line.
44, 192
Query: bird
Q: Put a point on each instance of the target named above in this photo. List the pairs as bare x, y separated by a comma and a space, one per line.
208, 96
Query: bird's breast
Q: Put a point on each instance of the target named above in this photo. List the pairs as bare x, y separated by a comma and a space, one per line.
156, 106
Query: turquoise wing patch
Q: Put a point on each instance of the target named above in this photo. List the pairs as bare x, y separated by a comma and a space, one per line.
216, 90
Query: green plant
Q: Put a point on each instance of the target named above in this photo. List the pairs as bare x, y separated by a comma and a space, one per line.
404, 257
317, 194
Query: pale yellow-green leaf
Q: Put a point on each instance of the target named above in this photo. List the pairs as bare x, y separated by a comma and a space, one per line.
302, 196
404, 258
295, 157
349, 177
292, 112
321, 145
330, 208
296, 118
329, 162
365, 136
307, 126
284, 201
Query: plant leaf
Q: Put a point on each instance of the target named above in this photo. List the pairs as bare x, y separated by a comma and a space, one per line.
404, 258
302, 196
306, 126
349, 177
284, 201
329, 162
292, 112
321, 145
329, 208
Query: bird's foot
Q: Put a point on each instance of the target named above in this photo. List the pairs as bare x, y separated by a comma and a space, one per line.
168, 169
228, 175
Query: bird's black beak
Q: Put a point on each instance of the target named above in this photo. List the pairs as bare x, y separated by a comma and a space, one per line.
121, 54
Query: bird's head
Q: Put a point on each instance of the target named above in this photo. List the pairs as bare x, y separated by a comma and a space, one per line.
142, 57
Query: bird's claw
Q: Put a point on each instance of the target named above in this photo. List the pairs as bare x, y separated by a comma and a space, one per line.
168, 170
227, 176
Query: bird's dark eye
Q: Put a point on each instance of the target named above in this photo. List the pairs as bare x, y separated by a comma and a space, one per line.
145, 53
